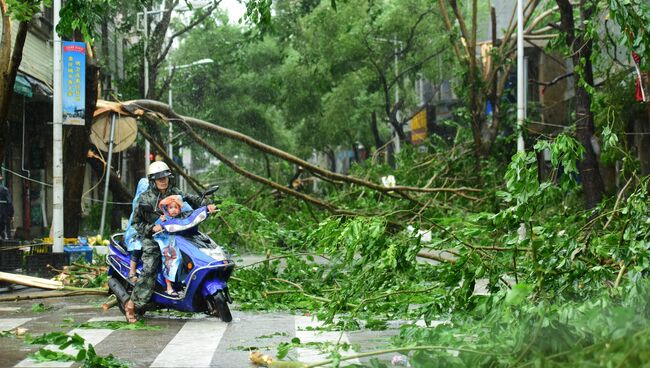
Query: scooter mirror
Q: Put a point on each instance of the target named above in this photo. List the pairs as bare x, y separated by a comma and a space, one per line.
209, 191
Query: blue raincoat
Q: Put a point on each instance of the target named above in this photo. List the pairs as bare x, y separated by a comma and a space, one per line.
130, 235
171, 254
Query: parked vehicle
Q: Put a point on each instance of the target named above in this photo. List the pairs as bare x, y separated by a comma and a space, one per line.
203, 273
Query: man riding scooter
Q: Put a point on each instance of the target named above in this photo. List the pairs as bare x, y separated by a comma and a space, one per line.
161, 186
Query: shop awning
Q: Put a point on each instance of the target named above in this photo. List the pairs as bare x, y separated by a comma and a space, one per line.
28, 86
39, 87
22, 86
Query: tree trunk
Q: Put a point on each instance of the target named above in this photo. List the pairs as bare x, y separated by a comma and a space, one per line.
581, 49
120, 192
267, 165
642, 142
137, 109
8, 71
75, 148
375, 131
331, 155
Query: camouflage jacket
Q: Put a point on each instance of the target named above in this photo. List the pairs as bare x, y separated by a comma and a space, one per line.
144, 221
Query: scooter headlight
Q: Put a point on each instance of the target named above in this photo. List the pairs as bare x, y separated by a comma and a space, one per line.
218, 254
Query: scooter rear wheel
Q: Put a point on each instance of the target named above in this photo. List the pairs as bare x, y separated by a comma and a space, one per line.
220, 306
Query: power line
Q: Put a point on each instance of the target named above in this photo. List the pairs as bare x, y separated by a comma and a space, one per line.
27, 178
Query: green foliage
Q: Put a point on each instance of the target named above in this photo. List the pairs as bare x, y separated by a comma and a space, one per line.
258, 12
603, 331
633, 16
314, 82
40, 308
24, 10
252, 231
47, 355
371, 273
85, 353
118, 325
310, 81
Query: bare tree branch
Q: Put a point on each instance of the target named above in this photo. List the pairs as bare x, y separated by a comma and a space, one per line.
201, 18
445, 17
238, 169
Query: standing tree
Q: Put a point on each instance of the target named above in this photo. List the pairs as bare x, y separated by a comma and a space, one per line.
78, 19
485, 80
161, 30
580, 46
21, 11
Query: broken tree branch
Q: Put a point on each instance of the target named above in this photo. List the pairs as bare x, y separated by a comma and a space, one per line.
50, 294
195, 184
135, 107
231, 164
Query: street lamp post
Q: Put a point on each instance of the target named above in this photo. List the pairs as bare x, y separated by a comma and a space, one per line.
170, 69
57, 140
521, 93
521, 82
145, 22
398, 113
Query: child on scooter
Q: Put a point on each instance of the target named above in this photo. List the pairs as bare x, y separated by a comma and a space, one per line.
171, 207
133, 243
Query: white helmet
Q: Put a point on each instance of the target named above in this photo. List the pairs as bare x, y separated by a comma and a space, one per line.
159, 170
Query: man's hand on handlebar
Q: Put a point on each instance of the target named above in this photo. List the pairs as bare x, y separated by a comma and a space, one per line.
157, 228
212, 208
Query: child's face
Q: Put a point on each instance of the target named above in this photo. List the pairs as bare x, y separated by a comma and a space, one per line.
173, 209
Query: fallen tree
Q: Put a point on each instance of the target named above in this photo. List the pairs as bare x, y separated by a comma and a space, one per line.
48, 284
140, 108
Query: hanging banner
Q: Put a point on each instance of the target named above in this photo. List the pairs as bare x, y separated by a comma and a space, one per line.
74, 82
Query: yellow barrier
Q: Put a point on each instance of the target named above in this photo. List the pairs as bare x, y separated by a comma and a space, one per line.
66, 241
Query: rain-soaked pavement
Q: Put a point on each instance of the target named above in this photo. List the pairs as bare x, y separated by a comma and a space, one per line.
181, 341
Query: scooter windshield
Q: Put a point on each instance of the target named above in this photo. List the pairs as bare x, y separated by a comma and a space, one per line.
175, 225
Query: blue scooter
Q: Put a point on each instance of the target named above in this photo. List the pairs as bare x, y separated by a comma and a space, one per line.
204, 271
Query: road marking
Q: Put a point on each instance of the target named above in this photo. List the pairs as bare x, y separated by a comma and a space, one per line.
108, 319
9, 309
396, 324
7, 324
74, 307
92, 336
193, 346
307, 355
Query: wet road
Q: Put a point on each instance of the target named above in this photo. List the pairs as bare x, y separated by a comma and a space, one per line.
187, 341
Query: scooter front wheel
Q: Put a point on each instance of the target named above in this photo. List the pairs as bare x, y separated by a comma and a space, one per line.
220, 306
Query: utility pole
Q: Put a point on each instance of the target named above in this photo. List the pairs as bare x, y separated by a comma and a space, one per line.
170, 147
521, 82
145, 20
147, 145
398, 113
57, 139
521, 93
